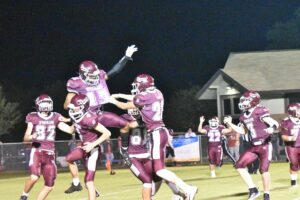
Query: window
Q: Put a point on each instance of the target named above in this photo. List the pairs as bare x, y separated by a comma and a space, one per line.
231, 105
227, 107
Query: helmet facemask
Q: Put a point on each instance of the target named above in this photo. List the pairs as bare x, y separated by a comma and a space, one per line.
44, 104
76, 113
91, 79
244, 104
214, 123
135, 89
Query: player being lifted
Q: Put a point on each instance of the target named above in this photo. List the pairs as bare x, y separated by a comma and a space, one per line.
87, 126
255, 121
150, 102
290, 127
92, 83
40, 131
214, 133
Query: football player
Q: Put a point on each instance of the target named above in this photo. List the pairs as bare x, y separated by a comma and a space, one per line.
87, 126
290, 127
41, 132
150, 102
214, 132
92, 83
255, 121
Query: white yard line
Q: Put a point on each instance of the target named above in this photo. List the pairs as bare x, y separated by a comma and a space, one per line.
122, 191
112, 193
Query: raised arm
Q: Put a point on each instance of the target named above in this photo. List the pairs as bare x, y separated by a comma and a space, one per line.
128, 97
69, 96
239, 129
121, 64
121, 105
200, 127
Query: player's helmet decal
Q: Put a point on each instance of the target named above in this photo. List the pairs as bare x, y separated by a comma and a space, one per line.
44, 103
78, 107
293, 109
213, 122
249, 100
89, 72
142, 82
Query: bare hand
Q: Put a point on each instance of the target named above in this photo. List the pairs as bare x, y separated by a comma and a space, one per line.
87, 147
227, 120
34, 135
202, 119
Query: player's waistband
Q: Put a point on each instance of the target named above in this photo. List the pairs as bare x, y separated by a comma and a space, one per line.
156, 129
260, 142
140, 155
49, 152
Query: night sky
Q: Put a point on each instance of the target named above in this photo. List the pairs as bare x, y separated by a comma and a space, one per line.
180, 42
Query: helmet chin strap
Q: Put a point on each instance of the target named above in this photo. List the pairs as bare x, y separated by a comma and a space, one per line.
295, 119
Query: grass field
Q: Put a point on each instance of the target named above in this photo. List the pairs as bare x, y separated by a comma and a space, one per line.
124, 186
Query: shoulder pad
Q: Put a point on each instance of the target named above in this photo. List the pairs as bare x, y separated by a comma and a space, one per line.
74, 84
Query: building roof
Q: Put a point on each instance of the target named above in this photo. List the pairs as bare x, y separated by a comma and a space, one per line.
266, 71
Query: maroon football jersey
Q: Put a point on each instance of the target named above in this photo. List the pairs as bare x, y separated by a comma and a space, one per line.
138, 143
214, 135
98, 95
151, 104
45, 128
290, 128
254, 124
85, 127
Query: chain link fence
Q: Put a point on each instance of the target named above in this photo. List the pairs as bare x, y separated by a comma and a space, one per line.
15, 156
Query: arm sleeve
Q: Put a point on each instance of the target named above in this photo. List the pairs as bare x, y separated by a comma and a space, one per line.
73, 85
139, 100
118, 67
28, 118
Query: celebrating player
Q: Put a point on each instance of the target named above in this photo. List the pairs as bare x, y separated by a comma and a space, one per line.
214, 132
88, 128
150, 102
40, 131
92, 83
290, 127
255, 121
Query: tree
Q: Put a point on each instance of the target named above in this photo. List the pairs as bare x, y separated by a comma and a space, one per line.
9, 114
183, 109
285, 35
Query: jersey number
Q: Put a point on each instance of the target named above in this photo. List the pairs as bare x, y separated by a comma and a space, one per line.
45, 132
157, 108
214, 136
251, 130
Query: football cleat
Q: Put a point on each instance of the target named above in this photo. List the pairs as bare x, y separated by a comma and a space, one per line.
266, 196
73, 188
23, 197
190, 195
253, 193
293, 183
97, 193
177, 197
112, 172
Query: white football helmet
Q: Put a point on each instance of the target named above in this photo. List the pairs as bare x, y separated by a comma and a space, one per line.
213, 122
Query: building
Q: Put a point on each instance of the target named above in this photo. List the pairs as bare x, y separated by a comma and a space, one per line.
274, 74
